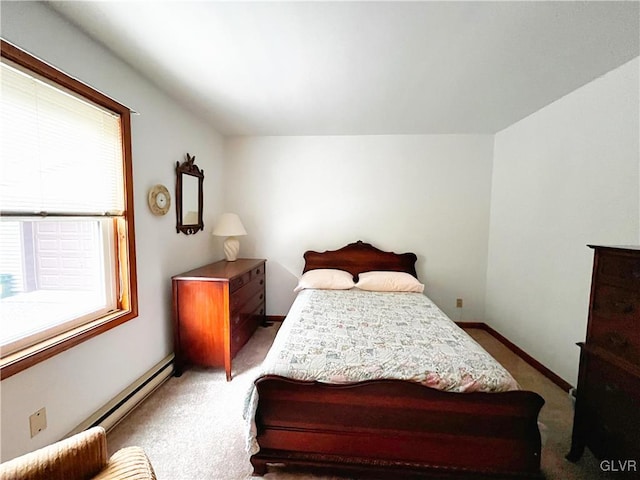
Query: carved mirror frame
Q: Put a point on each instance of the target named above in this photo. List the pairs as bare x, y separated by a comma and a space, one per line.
189, 225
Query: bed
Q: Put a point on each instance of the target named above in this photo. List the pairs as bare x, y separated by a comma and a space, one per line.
389, 427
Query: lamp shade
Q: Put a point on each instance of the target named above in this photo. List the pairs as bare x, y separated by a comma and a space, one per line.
229, 225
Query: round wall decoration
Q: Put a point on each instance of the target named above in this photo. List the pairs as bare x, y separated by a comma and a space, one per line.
159, 199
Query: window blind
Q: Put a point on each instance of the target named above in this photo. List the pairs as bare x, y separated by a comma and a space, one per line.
60, 154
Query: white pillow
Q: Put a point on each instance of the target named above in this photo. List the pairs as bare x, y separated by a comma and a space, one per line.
389, 282
325, 278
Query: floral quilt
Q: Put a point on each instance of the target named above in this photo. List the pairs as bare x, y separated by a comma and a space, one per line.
344, 336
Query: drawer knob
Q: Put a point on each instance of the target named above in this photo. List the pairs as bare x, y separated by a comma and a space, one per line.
262, 282
261, 296
257, 271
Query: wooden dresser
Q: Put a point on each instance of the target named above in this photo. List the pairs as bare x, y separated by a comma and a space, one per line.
216, 309
607, 410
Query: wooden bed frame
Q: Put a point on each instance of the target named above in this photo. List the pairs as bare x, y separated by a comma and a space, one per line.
392, 428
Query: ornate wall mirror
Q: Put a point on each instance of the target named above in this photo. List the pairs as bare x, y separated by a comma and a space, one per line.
189, 179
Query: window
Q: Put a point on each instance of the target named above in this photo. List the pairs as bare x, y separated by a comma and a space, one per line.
67, 258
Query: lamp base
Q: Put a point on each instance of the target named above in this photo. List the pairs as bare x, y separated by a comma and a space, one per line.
231, 247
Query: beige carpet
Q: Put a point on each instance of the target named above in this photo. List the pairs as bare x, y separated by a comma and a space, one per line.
192, 427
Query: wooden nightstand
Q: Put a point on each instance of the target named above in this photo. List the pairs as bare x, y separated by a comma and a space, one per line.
216, 309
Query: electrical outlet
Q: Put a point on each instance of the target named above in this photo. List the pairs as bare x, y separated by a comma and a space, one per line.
38, 421
458, 303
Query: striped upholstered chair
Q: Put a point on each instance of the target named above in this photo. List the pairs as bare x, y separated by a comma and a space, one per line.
80, 457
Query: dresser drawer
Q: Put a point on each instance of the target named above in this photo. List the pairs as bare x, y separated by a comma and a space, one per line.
619, 270
247, 277
239, 316
241, 333
617, 303
615, 322
246, 293
239, 282
613, 337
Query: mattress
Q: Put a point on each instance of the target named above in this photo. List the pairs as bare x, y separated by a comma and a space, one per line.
346, 336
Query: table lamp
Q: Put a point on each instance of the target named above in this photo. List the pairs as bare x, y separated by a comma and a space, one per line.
231, 227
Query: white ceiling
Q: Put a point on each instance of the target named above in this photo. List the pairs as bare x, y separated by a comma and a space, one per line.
348, 68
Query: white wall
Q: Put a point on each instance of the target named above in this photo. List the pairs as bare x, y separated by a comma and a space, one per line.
564, 177
74, 384
424, 194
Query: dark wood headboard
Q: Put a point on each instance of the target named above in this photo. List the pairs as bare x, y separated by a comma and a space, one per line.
359, 257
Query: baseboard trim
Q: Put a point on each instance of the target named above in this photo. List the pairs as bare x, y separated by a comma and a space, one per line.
566, 386
479, 325
275, 318
109, 415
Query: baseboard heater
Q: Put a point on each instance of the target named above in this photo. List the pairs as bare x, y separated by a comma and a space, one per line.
119, 407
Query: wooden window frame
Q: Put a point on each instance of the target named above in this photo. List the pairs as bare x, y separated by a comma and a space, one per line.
123, 228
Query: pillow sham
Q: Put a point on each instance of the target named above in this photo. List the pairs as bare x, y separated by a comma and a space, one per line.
389, 282
325, 278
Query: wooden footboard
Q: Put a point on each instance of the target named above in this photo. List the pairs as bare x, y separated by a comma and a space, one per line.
396, 429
